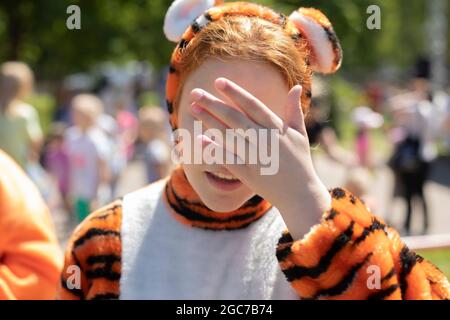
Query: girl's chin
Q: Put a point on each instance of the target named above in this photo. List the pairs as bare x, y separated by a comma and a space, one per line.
221, 206
223, 202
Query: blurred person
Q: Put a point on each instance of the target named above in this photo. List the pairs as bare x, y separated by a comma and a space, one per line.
87, 149
320, 132
117, 160
228, 231
20, 131
441, 100
153, 142
56, 160
365, 120
413, 137
127, 125
30, 257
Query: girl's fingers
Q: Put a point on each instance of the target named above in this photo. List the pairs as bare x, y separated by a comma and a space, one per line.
207, 119
216, 114
252, 106
294, 117
235, 141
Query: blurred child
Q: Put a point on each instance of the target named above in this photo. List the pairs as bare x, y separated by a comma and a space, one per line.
153, 144
365, 120
20, 131
127, 126
56, 160
87, 154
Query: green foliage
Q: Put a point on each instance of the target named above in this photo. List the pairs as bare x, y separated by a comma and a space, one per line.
45, 105
118, 30
440, 258
149, 98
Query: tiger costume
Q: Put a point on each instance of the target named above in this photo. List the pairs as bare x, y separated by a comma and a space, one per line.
162, 242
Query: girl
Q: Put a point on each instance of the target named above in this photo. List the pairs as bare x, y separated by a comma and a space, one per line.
216, 231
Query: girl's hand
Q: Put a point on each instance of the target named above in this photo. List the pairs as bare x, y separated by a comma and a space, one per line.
295, 188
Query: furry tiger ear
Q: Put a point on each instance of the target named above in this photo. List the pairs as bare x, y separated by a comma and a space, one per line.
182, 13
326, 52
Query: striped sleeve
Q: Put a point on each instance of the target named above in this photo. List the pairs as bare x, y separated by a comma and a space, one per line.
92, 265
352, 254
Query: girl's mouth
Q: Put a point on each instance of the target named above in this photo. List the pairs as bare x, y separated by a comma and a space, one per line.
223, 181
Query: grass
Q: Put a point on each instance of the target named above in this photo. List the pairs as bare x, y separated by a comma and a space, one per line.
439, 257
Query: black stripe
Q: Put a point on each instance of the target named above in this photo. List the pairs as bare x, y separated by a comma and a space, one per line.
169, 106
283, 253
376, 225
345, 283
308, 94
181, 207
183, 44
332, 37
389, 275
94, 232
108, 212
352, 199
333, 213
297, 272
208, 17
172, 69
105, 272
285, 238
407, 260
104, 258
76, 292
253, 202
106, 296
384, 293
195, 27
338, 193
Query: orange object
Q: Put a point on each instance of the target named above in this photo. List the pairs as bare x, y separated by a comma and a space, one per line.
30, 257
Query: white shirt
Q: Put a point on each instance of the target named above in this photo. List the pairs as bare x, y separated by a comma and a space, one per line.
164, 259
85, 149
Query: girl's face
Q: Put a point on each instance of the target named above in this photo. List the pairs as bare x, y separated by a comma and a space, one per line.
263, 81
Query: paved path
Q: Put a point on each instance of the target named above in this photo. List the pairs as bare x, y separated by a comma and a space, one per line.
437, 191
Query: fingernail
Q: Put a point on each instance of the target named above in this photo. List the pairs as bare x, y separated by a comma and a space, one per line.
197, 94
196, 108
221, 83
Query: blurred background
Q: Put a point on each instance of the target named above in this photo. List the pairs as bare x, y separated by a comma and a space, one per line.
380, 126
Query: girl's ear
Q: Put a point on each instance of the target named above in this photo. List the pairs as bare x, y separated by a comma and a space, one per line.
182, 14
326, 52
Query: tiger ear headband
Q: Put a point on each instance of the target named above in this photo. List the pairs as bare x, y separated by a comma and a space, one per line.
186, 18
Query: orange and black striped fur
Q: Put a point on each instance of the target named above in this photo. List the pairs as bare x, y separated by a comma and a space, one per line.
331, 262
94, 251
335, 260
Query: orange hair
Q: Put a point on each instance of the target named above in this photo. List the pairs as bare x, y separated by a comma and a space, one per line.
250, 32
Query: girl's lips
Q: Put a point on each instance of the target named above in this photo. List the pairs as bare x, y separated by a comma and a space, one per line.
223, 184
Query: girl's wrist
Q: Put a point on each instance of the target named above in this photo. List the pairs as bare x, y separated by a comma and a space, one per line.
306, 209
